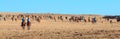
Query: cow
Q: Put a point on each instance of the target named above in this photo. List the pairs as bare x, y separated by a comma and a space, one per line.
118, 19
72, 18
38, 19
112, 17
60, 18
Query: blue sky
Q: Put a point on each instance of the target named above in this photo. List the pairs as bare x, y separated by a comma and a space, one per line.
102, 7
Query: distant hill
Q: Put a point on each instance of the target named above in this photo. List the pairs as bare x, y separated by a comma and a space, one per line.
10, 13
16, 13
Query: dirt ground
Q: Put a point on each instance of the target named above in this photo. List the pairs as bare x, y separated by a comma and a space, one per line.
49, 29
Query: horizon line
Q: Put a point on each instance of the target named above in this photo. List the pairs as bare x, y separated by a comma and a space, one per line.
54, 13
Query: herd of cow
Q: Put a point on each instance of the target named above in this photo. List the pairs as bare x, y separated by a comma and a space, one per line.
38, 18
112, 17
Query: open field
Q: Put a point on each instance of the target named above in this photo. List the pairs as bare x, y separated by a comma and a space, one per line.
50, 29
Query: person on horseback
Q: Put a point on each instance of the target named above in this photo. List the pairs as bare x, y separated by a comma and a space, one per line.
23, 23
28, 23
94, 20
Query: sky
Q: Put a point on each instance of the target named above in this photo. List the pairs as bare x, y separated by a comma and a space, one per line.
101, 7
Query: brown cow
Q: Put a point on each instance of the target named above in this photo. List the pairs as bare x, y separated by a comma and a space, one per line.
38, 18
